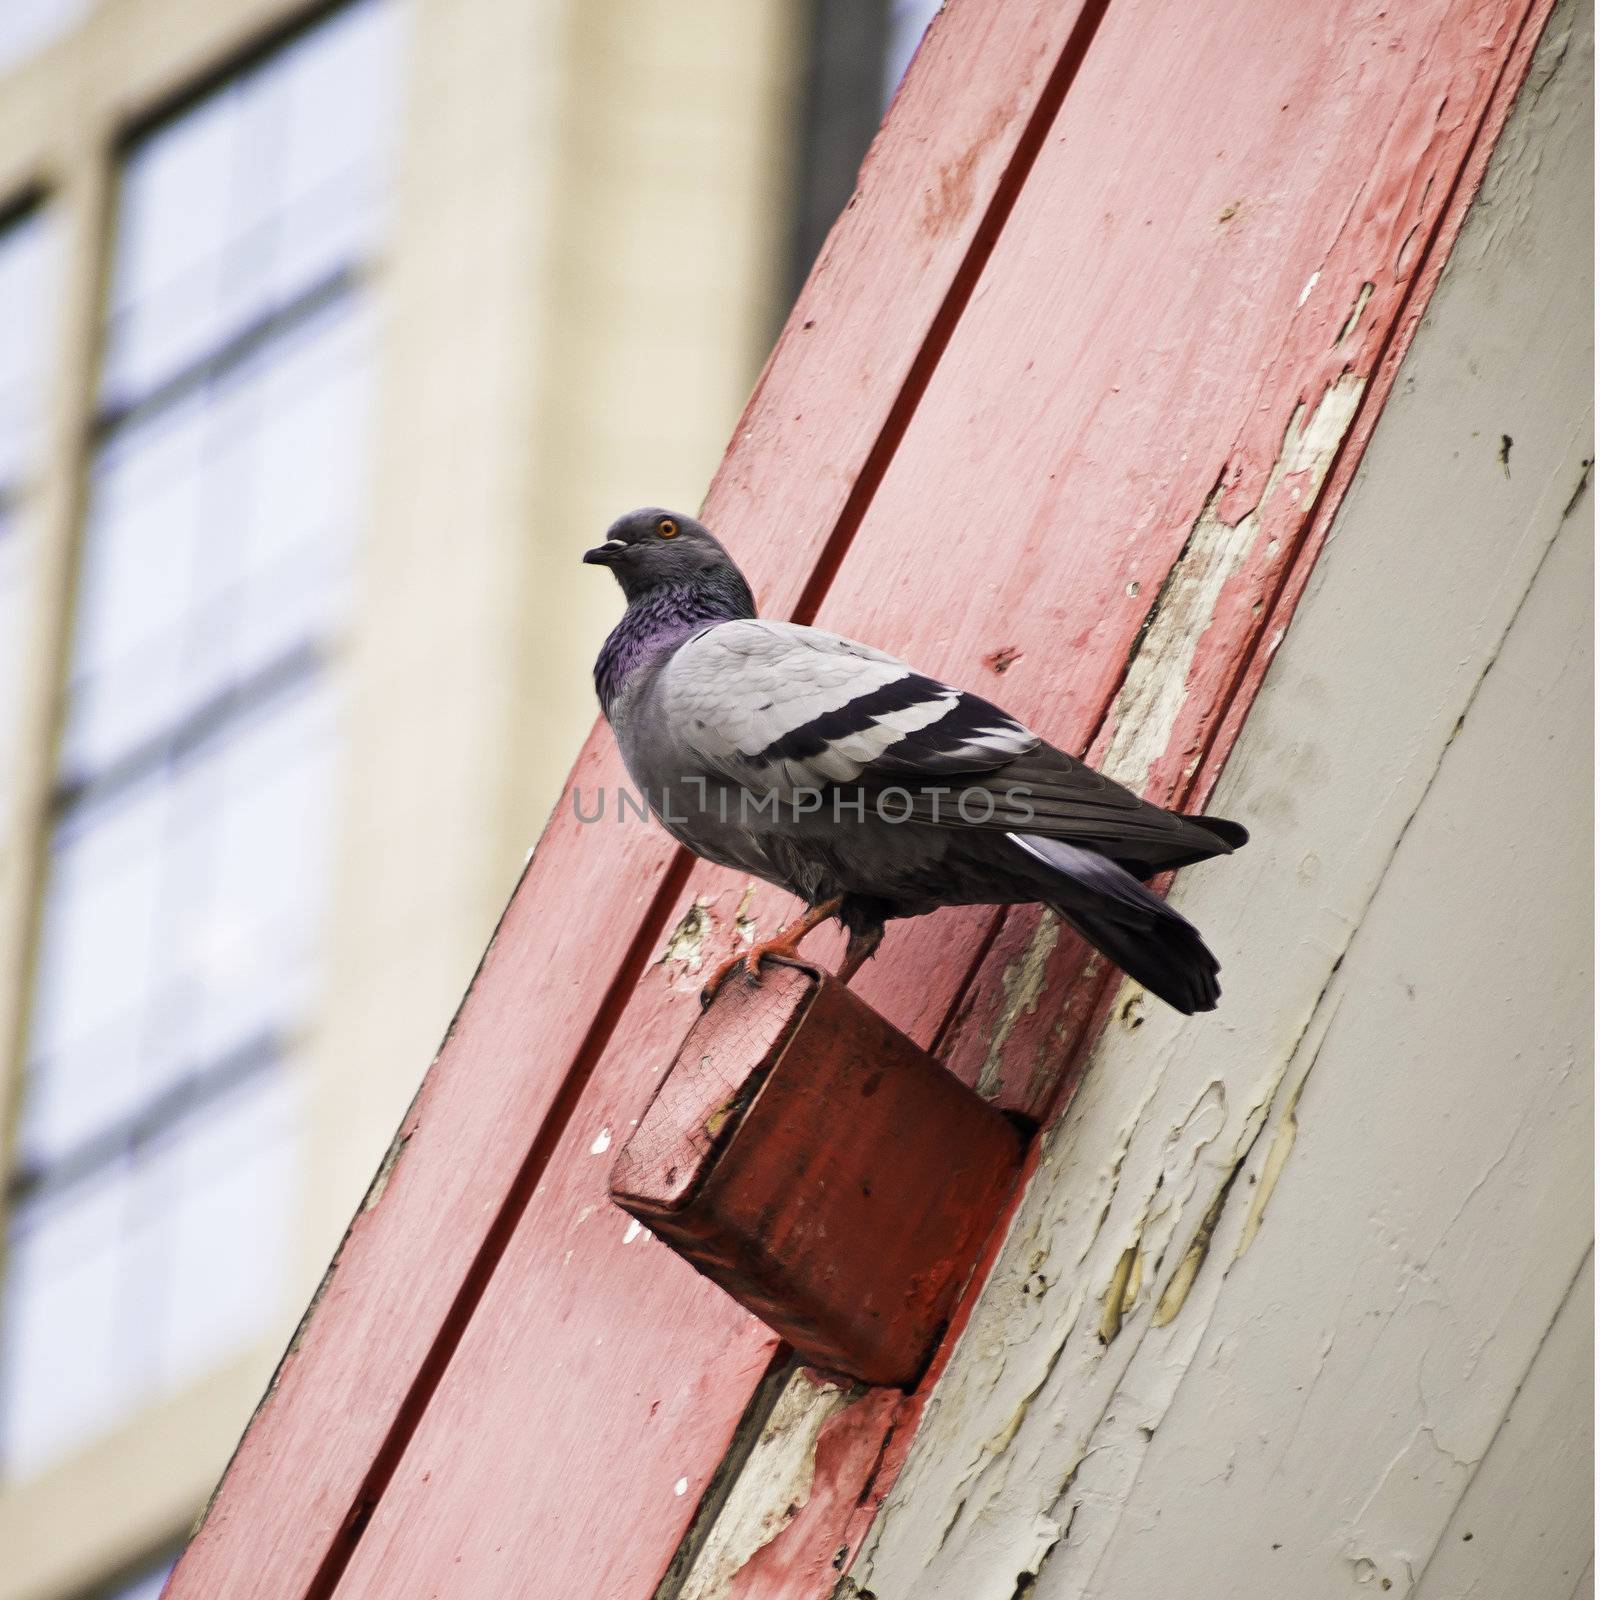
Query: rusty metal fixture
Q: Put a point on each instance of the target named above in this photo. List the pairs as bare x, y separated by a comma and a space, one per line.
831, 1176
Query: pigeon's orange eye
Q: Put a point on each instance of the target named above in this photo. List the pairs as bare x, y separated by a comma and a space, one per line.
667, 528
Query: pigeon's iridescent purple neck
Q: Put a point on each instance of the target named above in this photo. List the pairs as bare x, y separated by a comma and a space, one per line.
658, 621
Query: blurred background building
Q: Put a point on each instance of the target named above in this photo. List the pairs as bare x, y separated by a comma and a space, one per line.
328, 338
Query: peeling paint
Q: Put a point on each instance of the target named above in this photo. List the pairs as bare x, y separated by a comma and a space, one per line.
1152, 695
1182, 1281
1120, 1294
1022, 982
1354, 319
773, 1487
1277, 1154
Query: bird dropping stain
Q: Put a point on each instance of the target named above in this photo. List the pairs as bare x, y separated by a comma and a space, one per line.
744, 925
686, 943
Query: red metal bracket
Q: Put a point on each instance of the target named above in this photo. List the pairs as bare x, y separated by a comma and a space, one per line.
833, 1178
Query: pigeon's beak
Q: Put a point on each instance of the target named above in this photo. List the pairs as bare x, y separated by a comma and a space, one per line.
605, 555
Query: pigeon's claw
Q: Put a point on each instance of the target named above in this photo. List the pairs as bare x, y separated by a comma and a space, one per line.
783, 945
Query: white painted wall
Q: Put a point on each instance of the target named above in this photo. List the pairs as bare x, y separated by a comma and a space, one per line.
1353, 1354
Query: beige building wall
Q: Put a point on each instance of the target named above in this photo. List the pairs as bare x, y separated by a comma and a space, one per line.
576, 293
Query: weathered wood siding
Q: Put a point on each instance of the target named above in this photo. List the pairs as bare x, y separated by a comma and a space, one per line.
1301, 1305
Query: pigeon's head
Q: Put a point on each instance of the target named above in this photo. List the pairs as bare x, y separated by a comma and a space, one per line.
653, 549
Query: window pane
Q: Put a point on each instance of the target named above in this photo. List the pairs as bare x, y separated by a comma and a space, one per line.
130, 1281
27, 261
173, 226
218, 538
64, 1363
271, 184
98, 960
164, 898
227, 1186
15, 568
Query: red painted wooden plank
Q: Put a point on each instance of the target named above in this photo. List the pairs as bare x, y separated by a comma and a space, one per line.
1126, 349
586, 920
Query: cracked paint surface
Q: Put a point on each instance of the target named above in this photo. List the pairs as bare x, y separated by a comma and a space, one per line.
1146, 711
782, 1462
1022, 982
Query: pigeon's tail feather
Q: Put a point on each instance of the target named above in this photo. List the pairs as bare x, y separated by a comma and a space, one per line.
1205, 838
1169, 958
1233, 834
1124, 921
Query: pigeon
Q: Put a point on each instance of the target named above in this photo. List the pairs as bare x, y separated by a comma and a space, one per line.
868, 789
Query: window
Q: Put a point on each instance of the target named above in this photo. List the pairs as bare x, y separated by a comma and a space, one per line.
26, 260
151, 1205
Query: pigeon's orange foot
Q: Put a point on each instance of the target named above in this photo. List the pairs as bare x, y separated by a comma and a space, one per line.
784, 944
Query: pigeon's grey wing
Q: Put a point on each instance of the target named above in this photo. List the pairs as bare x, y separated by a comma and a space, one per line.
1050, 794
781, 707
